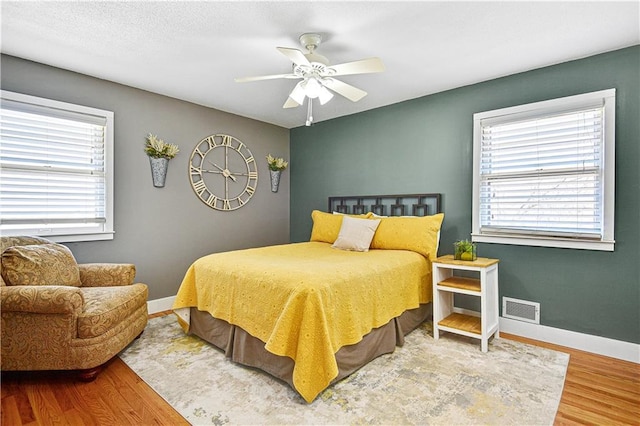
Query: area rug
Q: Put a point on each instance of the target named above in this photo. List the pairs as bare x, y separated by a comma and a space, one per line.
448, 381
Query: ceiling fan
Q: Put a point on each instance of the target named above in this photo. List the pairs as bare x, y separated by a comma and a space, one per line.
317, 75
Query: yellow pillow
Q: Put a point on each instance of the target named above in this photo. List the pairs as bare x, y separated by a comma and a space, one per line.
419, 234
326, 226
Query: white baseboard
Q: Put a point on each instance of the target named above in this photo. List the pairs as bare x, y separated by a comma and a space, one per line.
585, 342
159, 305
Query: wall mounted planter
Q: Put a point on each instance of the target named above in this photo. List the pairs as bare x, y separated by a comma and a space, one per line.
275, 179
159, 168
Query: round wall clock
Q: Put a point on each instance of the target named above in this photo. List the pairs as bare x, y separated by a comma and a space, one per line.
223, 172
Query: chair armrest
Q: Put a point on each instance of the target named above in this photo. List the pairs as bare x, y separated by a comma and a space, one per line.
41, 299
106, 274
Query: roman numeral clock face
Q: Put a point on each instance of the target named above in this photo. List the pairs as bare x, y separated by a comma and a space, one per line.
223, 172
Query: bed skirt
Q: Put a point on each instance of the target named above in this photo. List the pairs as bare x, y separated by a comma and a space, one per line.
241, 347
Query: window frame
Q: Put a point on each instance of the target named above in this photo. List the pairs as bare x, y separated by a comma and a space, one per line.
76, 235
605, 98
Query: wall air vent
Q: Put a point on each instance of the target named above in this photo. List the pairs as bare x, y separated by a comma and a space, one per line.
521, 310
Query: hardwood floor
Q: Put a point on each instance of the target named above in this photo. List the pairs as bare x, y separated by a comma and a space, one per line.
598, 390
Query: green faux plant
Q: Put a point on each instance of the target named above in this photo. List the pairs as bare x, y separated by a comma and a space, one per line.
276, 164
464, 250
155, 147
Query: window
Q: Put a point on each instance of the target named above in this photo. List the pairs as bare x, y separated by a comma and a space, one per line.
56, 169
544, 173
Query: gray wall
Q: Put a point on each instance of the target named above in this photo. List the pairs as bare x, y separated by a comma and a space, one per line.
425, 145
163, 230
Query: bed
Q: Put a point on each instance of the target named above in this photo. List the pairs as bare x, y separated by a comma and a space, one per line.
311, 313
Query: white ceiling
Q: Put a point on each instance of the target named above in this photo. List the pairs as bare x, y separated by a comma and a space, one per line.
193, 50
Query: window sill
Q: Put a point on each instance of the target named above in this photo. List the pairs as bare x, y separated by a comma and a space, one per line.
544, 242
70, 238
80, 237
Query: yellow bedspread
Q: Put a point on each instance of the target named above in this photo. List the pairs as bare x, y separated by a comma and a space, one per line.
307, 300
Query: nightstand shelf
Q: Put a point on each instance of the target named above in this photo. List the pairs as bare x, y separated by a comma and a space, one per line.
471, 285
457, 323
481, 325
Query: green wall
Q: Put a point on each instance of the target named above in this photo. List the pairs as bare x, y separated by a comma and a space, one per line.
425, 145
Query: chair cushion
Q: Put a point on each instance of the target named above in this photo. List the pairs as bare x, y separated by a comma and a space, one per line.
40, 264
105, 307
10, 241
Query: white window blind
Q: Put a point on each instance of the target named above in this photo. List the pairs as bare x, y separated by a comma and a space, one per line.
55, 176
541, 172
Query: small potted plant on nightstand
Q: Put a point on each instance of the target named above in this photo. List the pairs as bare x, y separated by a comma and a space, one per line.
464, 250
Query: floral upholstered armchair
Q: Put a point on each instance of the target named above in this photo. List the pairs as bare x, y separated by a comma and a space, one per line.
60, 315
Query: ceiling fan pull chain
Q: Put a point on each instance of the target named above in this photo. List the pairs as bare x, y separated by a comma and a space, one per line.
309, 111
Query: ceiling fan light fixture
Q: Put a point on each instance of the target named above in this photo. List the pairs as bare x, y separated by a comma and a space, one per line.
324, 96
312, 87
298, 93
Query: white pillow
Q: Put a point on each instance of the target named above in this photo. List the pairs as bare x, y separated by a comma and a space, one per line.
356, 234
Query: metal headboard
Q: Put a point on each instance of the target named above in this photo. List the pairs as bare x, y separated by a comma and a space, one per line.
387, 205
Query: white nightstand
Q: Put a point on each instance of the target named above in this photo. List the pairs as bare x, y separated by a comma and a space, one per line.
485, 286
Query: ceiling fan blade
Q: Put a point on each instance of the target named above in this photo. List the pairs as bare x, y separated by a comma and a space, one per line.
296, 56
290, 103
348, 91
363, 66
264, 77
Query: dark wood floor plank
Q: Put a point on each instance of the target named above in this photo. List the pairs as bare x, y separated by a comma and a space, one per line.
594, 409
151, 408
78, 414
10, 412
102, 412
624, 389
45, 406
111, 397
76, 417
20, 400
